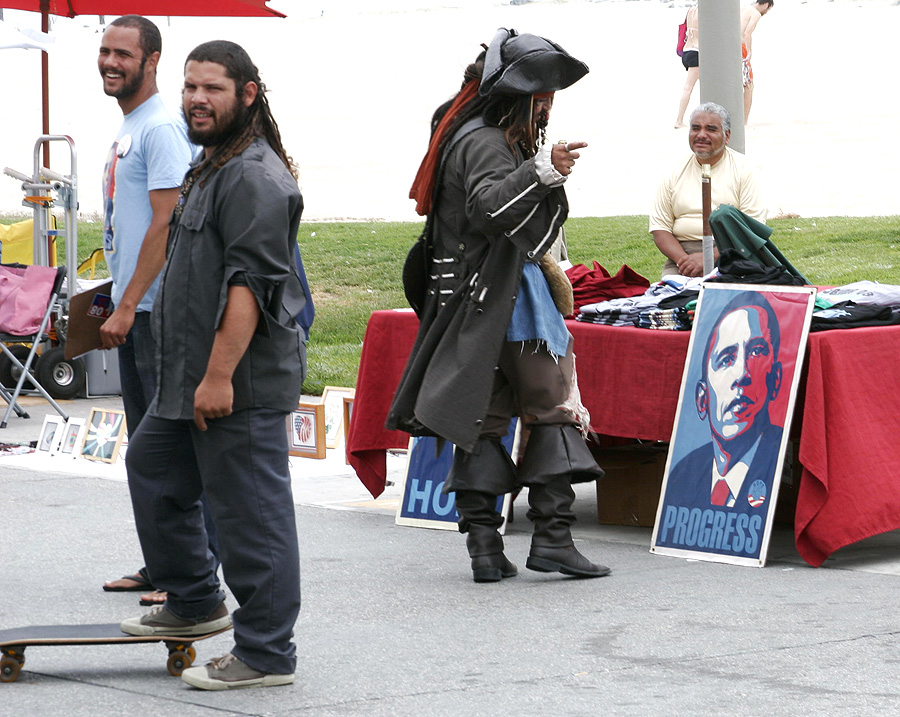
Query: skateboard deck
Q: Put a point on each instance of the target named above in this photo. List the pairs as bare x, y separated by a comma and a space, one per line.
14, 641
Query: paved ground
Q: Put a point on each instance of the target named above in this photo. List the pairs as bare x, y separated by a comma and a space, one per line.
393, 625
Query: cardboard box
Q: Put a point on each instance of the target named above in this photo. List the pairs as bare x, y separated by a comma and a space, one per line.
629, 492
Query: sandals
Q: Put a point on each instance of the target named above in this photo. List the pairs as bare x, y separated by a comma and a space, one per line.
140, 578
156, 597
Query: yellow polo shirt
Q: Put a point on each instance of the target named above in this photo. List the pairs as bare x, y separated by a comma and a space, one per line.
678, 207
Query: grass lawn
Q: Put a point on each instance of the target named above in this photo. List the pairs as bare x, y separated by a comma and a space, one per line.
354, 268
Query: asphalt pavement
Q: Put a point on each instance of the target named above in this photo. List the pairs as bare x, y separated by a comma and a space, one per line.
392, 623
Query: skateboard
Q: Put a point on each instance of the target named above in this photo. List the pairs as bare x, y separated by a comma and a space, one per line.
14, 641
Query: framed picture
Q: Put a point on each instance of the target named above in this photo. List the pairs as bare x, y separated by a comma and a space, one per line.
51, 434
333, 399
348, 414
731, 430
103, 436
72, 437
423, 503
306, 430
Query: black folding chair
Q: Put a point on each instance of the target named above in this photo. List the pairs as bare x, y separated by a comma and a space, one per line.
24, 367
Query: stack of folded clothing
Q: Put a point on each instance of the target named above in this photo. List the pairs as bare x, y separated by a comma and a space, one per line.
627, 311
675, 312
862, 303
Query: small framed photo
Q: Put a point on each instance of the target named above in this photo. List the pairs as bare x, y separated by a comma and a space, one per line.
348, 413
104, 433
72, 437
333, 399
51, 433
306, 430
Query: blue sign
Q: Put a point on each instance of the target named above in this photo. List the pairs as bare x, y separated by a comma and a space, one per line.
423, 502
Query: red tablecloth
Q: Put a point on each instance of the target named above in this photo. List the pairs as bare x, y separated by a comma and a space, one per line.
630, 379
850, 442
611, 362
386, 346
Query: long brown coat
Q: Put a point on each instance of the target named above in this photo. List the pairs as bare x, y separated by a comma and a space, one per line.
492, 215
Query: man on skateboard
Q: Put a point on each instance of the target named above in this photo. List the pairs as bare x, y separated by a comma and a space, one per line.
231, 366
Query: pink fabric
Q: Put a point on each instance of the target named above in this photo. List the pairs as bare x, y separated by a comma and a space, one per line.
590, 286
24, 295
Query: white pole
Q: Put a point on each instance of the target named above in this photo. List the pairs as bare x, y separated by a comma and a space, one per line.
720, 61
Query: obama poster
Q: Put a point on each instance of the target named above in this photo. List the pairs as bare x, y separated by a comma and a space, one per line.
731, 428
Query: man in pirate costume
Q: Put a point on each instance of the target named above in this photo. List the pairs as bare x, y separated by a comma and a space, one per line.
231, 365
492, 342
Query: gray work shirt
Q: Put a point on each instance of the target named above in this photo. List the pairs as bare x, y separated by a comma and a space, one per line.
238, 228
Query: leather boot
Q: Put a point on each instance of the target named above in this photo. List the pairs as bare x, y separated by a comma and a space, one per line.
552, 547
492, 568
479, 520
558, 455
487, 469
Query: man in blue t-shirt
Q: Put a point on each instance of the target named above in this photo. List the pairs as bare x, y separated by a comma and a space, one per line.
141, 181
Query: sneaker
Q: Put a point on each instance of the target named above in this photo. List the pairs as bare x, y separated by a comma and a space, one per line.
229, 673
160, 621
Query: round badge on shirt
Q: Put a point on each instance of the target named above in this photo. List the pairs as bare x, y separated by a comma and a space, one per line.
124, 145
757, 494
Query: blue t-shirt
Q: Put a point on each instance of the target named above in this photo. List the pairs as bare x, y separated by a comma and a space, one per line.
151, 151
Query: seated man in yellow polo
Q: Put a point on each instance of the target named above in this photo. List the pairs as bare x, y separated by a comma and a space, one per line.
676, 220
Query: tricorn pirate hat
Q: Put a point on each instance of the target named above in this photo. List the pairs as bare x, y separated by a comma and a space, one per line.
527, 64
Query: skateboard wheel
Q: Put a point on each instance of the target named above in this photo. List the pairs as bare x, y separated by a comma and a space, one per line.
9, 669
192, 653
178, 662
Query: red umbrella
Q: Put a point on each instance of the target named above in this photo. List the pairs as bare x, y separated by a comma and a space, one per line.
157, 8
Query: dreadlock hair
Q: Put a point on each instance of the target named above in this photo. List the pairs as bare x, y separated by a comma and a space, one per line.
260, 122
514, 115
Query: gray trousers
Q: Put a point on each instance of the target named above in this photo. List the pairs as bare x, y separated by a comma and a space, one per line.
241, 464
691, 246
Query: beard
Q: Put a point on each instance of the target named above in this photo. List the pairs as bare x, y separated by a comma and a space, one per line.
131, 87
540, 125
705, 154
226, 125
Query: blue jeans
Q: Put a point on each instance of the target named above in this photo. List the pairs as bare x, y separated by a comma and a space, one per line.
137, 373
137, 370
240, 465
